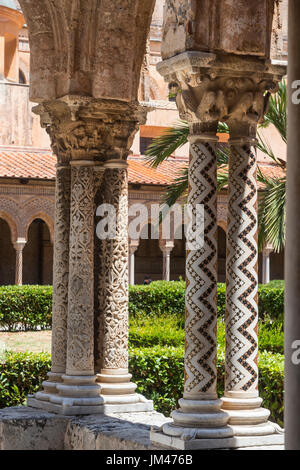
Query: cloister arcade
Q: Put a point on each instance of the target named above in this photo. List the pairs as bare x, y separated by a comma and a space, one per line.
86, 58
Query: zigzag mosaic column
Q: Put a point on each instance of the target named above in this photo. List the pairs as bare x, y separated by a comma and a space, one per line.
241, 400
200, 415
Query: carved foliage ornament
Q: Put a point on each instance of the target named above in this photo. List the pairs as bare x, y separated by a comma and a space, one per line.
224, 98
82, 128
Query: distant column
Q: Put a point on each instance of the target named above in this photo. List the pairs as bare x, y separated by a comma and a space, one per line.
167, 248
266, 264
133, 246
19, 247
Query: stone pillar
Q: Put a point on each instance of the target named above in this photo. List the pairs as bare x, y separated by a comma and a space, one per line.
19, 247
79, 390
292, 249
60, 281
167, 247
266, 264
241, 399
114, 380
133, 246
90, 335
200, 417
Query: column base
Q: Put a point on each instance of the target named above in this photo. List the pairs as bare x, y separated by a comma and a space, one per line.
118, 392
50, 385
75, 395
184, 442
198, 424
247, 418
81, 395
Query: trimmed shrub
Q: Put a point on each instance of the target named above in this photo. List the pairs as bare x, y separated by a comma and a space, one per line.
271, 302
158, 372
158, 298
21, 374
29, 307
25, 308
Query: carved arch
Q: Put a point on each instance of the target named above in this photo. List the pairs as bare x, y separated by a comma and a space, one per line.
9, 211
75, 45
40, 208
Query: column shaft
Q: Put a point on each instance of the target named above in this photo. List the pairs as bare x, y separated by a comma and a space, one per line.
241, 399
115, 289
199, 415
19, 247
241, 305
80, 341
292, 250
266, 267
201, 275
132, 250
61, 269
60, 282
166, 265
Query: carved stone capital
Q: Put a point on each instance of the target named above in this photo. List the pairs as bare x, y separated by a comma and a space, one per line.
166, 246
214, 88
83, 128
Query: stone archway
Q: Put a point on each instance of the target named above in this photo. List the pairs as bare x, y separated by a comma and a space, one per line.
38, 254
7, 254
148, 258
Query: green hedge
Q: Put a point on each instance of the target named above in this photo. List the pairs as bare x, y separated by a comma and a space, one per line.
25, 308
21, 374
157, 371
29, 307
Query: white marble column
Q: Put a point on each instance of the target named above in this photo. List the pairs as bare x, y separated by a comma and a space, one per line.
19, 246
166, 248
133, 247
266, 264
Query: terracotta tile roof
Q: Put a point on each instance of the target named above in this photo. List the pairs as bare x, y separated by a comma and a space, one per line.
17, 162
40, 164
27, 163
141, 173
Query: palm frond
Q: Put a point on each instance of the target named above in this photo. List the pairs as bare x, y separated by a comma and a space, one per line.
223, 128
277, 111
223, 156
178, 188
164, 146
264, 146
271, 213
222, 180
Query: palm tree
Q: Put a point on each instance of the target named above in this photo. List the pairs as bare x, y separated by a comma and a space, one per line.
271, 208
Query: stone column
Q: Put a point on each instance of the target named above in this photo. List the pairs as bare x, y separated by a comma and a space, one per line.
241, 399
114, 379
19, 247
292, 250
133, 246
60, 280
266, 264
79, 390
167, 248
200, 416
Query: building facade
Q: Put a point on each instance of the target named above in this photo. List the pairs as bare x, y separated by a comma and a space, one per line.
27, 168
